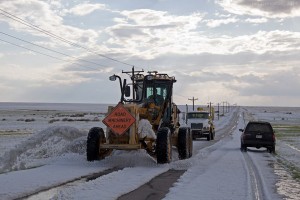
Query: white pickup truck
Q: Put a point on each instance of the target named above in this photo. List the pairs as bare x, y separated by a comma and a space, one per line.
201, 124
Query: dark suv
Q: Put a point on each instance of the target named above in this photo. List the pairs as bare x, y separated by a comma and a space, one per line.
258, 134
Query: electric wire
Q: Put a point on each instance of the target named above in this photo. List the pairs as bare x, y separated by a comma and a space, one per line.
54, 57
13, 17
83, 60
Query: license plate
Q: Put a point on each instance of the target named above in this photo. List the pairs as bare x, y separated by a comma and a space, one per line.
258, 136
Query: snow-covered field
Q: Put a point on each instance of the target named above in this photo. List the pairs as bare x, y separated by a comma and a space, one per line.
43, 145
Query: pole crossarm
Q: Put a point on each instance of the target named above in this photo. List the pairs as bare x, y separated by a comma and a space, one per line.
193, 99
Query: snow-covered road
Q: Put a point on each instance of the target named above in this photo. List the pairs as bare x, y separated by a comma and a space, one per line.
217, 170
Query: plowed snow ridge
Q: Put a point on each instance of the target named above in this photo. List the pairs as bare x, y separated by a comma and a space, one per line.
40, 148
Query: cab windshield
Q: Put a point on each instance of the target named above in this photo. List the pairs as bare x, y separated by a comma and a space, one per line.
198, 115
156, 93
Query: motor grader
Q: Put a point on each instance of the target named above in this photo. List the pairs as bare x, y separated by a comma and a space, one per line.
145, 118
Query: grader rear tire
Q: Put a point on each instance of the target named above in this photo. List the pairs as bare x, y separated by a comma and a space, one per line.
191, 143
94, 139
183, 143
208, 138
164, 146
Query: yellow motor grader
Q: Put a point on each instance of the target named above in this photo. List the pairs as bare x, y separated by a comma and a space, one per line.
145, 118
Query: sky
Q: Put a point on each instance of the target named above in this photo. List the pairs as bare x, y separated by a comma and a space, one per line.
244, 52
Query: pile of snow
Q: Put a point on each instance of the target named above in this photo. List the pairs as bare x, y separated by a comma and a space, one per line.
145, 129
134, 158
41, 148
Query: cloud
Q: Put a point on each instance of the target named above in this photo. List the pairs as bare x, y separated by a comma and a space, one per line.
39, 76
141, 30
153, 18
207, 62
257, 20
149, 42
147, 34
251, 88
274, 84
218, 22
265, 8
86, 8
40, 14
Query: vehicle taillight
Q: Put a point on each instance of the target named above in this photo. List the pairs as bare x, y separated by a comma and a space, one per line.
274, 137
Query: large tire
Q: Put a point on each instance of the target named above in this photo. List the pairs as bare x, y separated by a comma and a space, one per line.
272, 149
243, 147
164, 146
208, 137
94, 140
191, 143
183, 143
212, 134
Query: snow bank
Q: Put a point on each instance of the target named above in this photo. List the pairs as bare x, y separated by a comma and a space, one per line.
145, 129
40, 148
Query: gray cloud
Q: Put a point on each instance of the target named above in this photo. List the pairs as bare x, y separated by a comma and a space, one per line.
272, 6
127, 31
275, 84
266, 8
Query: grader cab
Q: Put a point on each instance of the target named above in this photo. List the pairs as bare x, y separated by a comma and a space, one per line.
145, 118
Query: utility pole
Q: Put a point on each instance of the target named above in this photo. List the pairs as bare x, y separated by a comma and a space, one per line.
210, 110
193, 99
223, 107
227, 107
186, 111
131, 74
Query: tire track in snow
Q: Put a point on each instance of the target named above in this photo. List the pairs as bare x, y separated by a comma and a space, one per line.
113, 185
255, 178
47, 193
156, 188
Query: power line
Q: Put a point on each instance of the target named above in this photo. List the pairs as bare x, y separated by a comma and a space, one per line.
47, 54
13, 17
51, 49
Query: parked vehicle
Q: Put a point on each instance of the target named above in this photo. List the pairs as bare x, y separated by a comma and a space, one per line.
258, 134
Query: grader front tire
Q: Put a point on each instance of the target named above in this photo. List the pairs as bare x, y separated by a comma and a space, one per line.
164, 146
95, 138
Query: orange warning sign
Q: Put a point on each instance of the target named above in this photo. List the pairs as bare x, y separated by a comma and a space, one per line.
119, 120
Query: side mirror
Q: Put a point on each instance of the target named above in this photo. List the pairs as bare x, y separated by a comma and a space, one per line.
112, 78
242, 130
127, 91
